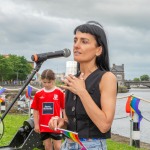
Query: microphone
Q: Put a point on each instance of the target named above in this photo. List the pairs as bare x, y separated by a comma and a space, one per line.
49, 55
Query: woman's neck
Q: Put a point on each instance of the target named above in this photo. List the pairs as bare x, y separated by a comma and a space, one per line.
87, 69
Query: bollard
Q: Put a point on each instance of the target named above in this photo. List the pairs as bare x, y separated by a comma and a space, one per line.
136, 131
3, 107
30, 110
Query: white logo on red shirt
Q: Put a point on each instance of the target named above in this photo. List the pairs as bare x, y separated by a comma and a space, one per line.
42, 97
55, 97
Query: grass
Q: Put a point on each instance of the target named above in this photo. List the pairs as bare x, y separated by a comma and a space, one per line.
112, 145
15, 121
11, 125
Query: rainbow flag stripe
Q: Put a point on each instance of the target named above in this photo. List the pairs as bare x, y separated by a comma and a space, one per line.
2, 90
28, 92
1, 100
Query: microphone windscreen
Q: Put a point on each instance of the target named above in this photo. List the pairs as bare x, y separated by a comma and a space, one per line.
67, 52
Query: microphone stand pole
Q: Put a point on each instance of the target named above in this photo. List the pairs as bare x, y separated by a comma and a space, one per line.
35, 70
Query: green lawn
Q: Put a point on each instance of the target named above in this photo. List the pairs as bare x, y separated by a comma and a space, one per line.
112, 145
11, 125
14, 122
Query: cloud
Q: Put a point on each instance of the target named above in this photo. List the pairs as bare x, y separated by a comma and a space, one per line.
28, 27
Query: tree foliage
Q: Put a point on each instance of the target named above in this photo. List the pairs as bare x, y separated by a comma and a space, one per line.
14, 67
136, 79
145, 77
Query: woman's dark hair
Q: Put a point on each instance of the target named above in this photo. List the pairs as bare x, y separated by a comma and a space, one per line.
48, 74
95, 29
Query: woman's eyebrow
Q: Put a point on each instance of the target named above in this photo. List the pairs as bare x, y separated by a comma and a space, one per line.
82, 38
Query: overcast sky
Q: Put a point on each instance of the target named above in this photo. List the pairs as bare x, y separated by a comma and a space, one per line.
38, 26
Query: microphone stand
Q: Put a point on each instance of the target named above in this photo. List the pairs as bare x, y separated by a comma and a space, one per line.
35, 70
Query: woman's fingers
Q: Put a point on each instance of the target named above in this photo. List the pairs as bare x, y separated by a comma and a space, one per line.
71, 77
53, 122
73, 83
81, 76
69, 80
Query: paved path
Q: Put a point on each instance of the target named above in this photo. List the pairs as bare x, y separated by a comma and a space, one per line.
122, 139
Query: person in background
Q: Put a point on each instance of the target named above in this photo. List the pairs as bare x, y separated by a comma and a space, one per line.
48, 103
91, 94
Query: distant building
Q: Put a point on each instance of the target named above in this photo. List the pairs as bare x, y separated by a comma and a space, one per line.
119, 72
6, 55
60, 76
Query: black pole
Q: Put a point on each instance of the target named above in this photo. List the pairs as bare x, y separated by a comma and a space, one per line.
36, 69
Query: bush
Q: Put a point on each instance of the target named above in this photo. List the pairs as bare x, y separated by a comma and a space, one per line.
122, 89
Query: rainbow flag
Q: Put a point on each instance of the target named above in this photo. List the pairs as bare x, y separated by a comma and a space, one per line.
28, 92
2, 90
73, 136
134, 105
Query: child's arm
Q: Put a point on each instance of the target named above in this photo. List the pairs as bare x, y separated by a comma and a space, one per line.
36, 121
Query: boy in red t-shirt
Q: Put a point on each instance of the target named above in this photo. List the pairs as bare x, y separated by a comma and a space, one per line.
48, 102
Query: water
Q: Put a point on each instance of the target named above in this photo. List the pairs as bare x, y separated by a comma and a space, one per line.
121, 124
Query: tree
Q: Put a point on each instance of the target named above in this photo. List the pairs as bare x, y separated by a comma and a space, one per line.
5, 67
144, 77
136, 79
14, 67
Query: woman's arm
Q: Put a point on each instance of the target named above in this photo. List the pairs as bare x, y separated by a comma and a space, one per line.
103, 117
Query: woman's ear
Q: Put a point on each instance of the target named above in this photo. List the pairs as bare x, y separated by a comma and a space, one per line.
99, 51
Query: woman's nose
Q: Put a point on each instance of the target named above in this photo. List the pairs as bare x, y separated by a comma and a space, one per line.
76, 44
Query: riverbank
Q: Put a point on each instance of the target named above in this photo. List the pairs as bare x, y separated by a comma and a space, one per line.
125, 140
122, 89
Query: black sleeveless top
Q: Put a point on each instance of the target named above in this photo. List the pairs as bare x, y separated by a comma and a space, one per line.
77, 116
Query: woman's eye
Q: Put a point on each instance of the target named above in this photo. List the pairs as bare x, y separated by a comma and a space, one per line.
75, 40
84, 41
